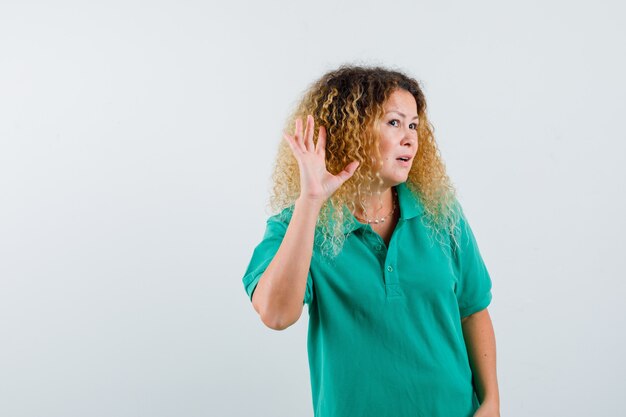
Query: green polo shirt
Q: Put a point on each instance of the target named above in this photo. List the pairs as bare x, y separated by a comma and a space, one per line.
385, 335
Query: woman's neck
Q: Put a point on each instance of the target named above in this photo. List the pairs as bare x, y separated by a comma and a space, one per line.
375, 207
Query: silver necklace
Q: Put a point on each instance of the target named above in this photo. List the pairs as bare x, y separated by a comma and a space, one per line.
381, 220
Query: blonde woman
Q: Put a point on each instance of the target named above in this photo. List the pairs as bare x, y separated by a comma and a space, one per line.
369, 234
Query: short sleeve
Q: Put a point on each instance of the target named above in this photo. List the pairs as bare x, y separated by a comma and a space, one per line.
473, 289
264, 253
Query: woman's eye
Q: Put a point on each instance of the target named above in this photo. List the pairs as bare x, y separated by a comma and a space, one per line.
413, 126
394, 121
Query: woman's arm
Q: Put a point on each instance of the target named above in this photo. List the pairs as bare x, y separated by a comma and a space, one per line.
280, 290
481, 348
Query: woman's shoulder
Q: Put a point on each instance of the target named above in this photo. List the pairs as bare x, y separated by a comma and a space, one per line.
283, 216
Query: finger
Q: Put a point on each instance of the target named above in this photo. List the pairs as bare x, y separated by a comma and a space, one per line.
348, 171
321, 141
292, 144
298, 135
310, 131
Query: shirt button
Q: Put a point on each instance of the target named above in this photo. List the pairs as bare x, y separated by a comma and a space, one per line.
389, 268
379, 247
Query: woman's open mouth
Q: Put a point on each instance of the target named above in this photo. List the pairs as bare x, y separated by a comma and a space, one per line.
405, 161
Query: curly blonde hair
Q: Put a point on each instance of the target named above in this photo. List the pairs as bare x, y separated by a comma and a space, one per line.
349, 102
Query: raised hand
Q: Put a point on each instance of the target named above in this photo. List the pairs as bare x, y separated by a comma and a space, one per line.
316, 183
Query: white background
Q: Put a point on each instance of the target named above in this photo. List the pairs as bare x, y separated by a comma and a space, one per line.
136, 147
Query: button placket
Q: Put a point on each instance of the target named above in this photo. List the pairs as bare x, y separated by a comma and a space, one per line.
392, 280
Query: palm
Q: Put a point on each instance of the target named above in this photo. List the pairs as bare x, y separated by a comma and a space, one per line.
315, 180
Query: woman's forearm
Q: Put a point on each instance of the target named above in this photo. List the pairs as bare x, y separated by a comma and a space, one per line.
279, 293
481, 348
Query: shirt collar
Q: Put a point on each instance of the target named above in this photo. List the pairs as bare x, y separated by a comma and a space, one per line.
410, 206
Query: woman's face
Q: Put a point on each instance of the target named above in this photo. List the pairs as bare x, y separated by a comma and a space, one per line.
398, 137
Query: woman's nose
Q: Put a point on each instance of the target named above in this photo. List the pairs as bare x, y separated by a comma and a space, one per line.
410, 137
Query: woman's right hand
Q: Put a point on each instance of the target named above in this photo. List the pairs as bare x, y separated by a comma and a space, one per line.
316, 183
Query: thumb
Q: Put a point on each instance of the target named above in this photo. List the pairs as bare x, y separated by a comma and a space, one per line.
348, 171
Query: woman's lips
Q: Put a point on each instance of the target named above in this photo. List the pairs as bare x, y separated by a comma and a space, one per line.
405, 163
405, 160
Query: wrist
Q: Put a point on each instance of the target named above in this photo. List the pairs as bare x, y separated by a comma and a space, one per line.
491, 402
309, 203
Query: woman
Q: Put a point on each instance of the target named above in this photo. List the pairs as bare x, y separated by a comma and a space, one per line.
369, 234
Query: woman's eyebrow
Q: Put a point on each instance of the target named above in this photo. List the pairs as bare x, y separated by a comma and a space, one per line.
401, 114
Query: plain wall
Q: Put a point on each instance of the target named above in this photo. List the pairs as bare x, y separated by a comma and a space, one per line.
136, 148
